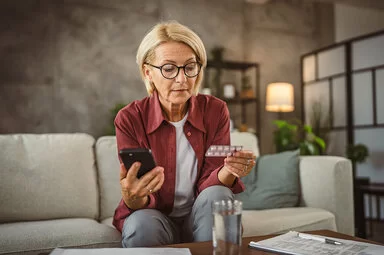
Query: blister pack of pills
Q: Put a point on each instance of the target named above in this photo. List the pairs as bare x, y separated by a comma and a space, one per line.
222, 150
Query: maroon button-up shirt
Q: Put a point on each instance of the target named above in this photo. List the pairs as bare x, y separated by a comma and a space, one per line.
142, 124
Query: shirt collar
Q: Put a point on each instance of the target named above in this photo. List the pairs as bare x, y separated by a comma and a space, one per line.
195, 116
157, 117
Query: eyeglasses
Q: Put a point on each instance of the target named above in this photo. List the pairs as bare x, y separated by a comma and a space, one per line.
170, 71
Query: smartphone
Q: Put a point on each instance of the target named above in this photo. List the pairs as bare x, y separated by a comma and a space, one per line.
142, 155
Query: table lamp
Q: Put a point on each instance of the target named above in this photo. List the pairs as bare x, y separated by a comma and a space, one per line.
279, 98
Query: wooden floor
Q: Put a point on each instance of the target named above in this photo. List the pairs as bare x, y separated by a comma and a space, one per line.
377, 231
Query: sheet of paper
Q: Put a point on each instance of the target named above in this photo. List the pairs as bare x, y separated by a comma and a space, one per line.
122, 251
290, 243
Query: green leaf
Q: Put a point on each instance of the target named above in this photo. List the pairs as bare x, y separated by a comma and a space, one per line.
308, 129
294, 134
320, 142
280, 123
311, 148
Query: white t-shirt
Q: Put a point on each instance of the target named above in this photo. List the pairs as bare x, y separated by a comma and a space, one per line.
186, 172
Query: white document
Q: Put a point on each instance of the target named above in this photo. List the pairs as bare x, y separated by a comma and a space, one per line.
291, 243
122, 251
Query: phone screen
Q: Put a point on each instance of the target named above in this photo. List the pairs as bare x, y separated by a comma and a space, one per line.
142, 155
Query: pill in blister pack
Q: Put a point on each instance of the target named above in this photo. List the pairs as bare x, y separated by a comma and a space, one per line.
222, 150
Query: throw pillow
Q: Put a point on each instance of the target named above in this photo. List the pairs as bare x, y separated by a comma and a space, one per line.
272, 183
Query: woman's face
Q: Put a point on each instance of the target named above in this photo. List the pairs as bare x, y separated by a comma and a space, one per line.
178, 90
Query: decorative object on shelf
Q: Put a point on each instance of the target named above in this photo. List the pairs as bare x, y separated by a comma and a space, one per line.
246, 88
292, 136
280, 98
229, 90
243, 127
217, 55
357, 153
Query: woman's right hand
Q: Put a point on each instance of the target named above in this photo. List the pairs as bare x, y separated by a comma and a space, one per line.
135, 191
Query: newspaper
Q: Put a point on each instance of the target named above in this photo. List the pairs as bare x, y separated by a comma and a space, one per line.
290, 243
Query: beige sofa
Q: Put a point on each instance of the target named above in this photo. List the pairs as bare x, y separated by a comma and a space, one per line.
60, 190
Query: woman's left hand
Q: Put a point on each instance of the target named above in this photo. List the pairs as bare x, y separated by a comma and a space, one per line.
240, 163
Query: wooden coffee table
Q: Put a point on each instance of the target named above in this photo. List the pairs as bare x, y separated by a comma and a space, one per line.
205, 248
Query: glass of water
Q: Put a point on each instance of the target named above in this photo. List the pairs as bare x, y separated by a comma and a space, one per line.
226, 229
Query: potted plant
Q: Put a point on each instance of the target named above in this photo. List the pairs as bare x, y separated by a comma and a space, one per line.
110, 130
357, 153
292, 136
246, 88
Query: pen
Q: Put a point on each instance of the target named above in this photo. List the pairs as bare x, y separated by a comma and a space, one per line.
317, 238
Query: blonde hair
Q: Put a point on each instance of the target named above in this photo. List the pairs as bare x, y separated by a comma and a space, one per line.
166, 32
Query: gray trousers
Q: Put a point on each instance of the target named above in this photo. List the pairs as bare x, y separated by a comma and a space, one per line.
150, 227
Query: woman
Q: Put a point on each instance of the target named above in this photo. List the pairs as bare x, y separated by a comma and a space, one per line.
172, 203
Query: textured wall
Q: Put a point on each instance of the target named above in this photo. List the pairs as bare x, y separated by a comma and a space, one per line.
351, 21
65, 63
278, 34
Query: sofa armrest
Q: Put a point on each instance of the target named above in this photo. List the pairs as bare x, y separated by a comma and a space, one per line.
327, 183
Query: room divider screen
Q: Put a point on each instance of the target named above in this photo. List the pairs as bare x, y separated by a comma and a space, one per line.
347, 81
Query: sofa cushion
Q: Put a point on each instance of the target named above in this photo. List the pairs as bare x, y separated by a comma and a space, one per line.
108, 221
47, 176
276, 221
108, 171
43, 236
273, 182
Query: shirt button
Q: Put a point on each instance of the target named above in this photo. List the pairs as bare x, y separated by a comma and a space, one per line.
189, 134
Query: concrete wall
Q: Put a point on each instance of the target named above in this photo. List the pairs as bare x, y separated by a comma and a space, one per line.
351, 21
65, 64
277, 35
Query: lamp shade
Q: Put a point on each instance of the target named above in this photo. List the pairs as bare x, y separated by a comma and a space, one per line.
279, 97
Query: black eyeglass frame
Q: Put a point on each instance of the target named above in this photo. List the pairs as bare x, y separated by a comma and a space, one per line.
178, 69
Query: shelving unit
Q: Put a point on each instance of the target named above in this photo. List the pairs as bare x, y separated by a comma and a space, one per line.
246, 104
